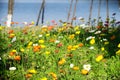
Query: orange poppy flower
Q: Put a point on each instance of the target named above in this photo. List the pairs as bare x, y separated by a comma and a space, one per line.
17, 58
36, 48
50, 28
10, 31
99, 27
28, 75
16, 22
10, 45
81, 45
11, 35
112, 37
12, 22
56, 51
60, 45
69, 55
51, 40
12, 53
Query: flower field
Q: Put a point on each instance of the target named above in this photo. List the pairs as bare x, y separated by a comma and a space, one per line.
59, 53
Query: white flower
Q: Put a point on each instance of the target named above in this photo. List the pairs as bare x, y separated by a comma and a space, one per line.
44, 26
57, 41
81, 18
35, 44
87, 67
83, 26
104, 39
91, 47
90, 37
14, 39
60, 37
97, 32
0, 58
71, 65
40, 35
25, 23
12, 68
92, 31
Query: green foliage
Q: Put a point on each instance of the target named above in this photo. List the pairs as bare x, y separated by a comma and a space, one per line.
51, 58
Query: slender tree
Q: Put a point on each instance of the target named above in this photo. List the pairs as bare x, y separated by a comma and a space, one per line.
99, 7
41, 10
10, 12
69, 10
74, 11
90, 14
107, 13
119, 3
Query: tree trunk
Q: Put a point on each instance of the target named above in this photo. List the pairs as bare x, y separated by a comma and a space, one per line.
107, 9
10, 12
89, 20
41, 8
69, 10
99, 7
43, 11
73, 16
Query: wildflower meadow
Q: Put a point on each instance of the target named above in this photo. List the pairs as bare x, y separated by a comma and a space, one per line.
55, 52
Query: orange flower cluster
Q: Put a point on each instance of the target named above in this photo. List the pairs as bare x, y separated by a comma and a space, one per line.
53, 75
17, 58
13, 52
50, 28
81, 45
112, 37
11, 33
62, 61
59, 45
36, 48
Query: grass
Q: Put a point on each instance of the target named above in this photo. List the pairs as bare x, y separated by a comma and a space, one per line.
46, 54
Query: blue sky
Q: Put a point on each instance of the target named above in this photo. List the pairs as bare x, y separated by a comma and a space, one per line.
52, 12
111, 2
37, 1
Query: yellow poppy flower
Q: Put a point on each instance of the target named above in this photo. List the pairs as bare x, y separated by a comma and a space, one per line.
72, 36
14, 51
84, 72
47, 52
92, 41
102, 48
64, 24
22, 50
32, 22
30, 43
75, 68
32, 71
42, 46
1, 28
44, 78
62, 61
76, 28
119, 45
77, 32
118, 52
99, 58
69, 47
106, 42
47, 35
41, 41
